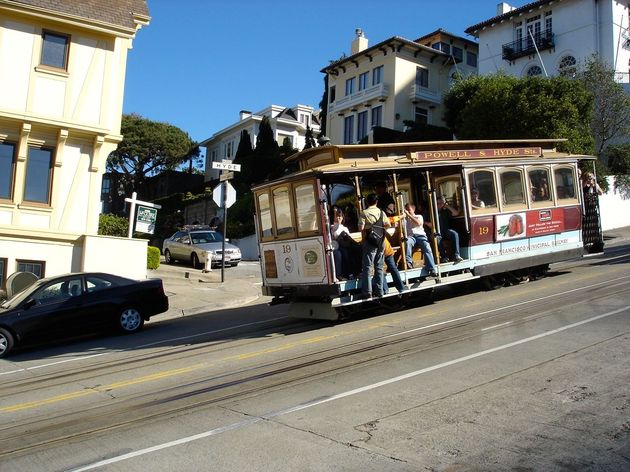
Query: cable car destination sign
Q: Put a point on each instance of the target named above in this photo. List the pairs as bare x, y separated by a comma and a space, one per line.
478, 153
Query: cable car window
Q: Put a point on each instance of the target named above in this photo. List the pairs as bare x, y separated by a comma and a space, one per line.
343, 197
282, 210
449, 189
306, 204
481, 189
512, 188
264, 210
565, 184
539, 184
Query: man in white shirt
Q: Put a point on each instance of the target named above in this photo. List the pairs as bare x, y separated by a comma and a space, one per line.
416, 236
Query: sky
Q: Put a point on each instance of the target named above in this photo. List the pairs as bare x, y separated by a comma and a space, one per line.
199, 62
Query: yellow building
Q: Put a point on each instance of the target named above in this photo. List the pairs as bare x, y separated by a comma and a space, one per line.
62, 74
393, 82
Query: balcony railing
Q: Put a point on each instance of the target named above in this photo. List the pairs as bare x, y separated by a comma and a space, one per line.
379, 91
424, 94
525, 47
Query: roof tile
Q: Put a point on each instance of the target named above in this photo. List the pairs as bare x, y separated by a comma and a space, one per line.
114, 12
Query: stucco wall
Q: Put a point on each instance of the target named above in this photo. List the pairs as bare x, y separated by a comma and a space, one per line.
248, 246
76, 113
89, 94
120, 256
581, 28
615, 211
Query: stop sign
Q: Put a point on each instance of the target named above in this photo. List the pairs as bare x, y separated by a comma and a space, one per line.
217, 194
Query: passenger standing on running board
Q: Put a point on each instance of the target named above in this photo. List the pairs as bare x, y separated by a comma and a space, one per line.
372, 255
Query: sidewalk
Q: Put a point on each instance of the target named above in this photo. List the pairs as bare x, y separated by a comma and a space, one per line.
616, 235
190, 291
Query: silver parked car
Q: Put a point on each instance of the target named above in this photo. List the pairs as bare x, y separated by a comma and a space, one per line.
198, 246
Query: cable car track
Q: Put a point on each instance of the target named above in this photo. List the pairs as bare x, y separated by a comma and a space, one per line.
188, 350
28, 437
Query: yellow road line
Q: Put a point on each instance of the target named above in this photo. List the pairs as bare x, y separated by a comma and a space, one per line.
101, 389
171, 373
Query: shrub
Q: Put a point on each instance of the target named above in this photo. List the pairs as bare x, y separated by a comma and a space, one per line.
153, 257
112, 225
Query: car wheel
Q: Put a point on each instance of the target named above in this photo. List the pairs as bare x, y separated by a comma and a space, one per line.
6, 342
130, 320
235, 264
195, 261
167, 257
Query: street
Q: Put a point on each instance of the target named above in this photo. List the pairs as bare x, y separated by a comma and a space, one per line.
528, 377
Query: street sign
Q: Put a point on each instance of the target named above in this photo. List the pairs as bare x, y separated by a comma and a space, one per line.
224, 195
226, 176
145, 219
226, 165
217, 195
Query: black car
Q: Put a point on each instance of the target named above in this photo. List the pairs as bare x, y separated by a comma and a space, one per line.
76, 304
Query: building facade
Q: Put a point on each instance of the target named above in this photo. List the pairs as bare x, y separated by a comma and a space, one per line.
286, 123
394, 81
62, 74
552, 37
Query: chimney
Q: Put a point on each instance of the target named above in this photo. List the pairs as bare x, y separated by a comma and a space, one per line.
244, 114
360, 43
503, 8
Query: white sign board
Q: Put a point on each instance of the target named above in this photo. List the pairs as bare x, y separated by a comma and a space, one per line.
145, 219
226, 165
217, 195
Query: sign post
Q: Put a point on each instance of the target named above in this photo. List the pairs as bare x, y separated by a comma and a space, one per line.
147, 214
224, 195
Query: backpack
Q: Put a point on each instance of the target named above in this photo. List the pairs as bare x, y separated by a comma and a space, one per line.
376, 234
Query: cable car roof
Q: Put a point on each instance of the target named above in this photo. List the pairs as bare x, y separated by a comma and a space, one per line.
354, 158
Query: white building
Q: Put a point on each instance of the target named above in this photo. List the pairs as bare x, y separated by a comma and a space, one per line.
286, 123
394, 81
554, 36
62, 75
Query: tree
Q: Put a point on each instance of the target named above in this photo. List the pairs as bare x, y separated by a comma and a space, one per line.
611, 116
245, 157
505, 107
267, 161
244, 145
323, 106
619, 165
148, 148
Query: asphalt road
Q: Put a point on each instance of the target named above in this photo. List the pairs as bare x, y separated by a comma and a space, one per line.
529, 377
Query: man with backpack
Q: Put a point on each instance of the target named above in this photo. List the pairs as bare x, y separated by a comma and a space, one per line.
372, 224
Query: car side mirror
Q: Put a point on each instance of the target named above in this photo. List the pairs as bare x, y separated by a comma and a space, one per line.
31, 302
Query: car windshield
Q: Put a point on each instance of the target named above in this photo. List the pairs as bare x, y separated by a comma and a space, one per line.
23, 295
206, 237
